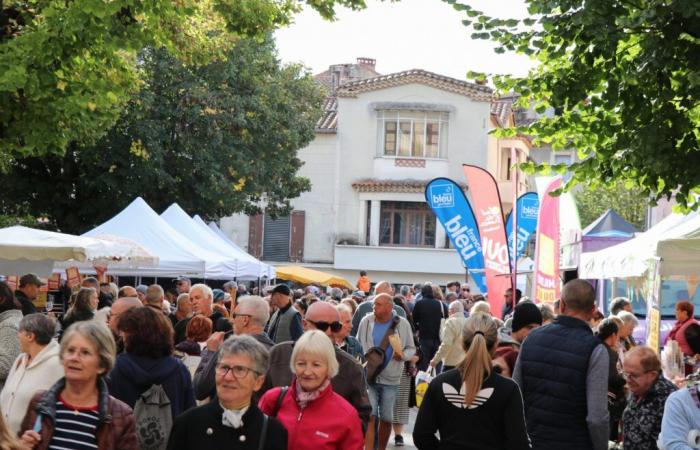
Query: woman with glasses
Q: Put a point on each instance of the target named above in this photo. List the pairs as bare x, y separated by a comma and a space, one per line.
316, 418
148, 363
232, 420
77, 412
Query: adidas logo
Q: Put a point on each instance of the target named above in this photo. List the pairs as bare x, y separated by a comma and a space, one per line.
457, 398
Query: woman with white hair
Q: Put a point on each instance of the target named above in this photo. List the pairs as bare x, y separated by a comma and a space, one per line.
480, 307
316, 418
629, 323
450, 351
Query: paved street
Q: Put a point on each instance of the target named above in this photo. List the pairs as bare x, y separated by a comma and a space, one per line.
407, 432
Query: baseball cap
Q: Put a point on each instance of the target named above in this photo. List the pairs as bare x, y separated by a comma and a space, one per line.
142, 288
30, 278
359, 294
218, 294
282, 289
182, 278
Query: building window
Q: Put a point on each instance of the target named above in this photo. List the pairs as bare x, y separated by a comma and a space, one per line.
406, 224
412, 134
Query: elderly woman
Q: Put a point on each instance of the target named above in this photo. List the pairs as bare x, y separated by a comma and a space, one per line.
148, 361
232, 420
450, 351
10, 316
480, 306
37, 367
629, 323
316, 418
198, 331
684, 318
83, 308
78, 412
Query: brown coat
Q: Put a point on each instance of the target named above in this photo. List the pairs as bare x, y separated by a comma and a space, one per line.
116, 429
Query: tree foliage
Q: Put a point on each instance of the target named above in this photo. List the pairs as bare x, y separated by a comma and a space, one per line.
623, 77
68, 68
218, 139
594, 201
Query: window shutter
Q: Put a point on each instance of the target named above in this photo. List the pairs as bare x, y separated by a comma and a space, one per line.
255, 235
276, 240
296, 248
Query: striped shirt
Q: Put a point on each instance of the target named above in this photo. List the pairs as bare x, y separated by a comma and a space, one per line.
75, 428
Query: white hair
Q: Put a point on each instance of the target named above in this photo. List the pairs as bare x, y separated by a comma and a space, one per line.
628, 318
456, 307
257, 307
205, 289
315, 342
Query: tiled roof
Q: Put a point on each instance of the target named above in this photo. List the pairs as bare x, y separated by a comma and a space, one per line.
328, 122
403, 186
472, 90
501, 110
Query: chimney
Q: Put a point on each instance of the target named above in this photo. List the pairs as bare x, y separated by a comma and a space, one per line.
369, 62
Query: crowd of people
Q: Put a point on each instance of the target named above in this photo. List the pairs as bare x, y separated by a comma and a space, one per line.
311, 368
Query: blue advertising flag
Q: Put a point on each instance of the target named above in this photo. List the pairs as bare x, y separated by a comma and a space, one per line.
528, 208
452, 209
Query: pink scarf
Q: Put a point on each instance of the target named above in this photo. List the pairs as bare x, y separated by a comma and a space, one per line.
304, 398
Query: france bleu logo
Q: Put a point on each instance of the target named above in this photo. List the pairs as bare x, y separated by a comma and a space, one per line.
442, 196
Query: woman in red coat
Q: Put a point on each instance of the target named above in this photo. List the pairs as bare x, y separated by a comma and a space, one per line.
316, 418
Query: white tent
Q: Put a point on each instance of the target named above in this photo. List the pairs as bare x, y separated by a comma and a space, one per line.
247, 267
264, 270
675, 240
177, 254
24, 250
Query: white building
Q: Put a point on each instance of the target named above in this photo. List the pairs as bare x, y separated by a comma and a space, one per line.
379, 142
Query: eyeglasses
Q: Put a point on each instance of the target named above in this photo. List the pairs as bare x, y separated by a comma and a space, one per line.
465, 290
234, 315
323, 326
237, 371
634, 376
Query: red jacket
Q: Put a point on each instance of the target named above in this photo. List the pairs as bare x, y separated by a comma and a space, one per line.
327, 423
678, 334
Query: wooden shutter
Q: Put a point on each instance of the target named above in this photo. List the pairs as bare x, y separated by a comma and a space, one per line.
255, 235
296, 247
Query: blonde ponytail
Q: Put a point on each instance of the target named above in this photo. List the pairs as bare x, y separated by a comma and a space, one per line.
479, 336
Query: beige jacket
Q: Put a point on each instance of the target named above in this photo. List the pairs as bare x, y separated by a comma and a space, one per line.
25, 380
450, 351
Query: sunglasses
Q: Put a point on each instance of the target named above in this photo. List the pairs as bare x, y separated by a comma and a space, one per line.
323, 326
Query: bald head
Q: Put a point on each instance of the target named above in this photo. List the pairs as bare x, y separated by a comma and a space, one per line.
577, 298
322, 311
119, 307
383, 287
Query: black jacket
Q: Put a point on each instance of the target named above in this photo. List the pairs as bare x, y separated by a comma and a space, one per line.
27, 305
427, 314
201, 428
494, 421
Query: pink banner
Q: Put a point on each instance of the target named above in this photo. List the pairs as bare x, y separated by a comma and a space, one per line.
546, 284
489, 218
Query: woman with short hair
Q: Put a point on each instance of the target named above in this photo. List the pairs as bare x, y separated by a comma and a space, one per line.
450, 351
232, 420
37, 367
684, 318
473, 407
316, 418
198, 330
629, 323
78, 412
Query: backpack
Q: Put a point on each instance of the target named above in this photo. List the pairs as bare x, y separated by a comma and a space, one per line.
153, 418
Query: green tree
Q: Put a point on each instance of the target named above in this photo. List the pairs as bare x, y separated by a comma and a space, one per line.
218, 139
594, 201
68, 68
623, 77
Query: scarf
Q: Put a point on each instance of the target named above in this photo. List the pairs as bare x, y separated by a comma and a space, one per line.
304, 398
233, 417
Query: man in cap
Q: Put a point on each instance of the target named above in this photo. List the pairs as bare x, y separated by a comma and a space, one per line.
28, 291
526, 317
285, 324
183, 284
141, 291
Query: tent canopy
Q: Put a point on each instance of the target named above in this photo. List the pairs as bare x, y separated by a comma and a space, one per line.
246, 266
675, 240
24, 250
610, 224
178, 255
309, 276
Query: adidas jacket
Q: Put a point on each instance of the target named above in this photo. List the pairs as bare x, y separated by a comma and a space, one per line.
494, 421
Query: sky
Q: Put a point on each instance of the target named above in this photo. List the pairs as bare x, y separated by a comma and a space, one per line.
409, 34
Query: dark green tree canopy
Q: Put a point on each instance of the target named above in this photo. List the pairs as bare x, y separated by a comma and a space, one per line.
623, 77
218, 139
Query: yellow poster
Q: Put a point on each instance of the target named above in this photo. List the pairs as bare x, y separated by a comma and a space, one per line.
653, 324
